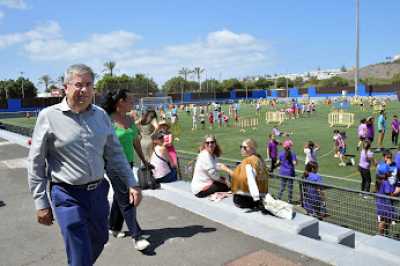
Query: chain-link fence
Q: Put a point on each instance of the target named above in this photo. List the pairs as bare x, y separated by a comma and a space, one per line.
365, 212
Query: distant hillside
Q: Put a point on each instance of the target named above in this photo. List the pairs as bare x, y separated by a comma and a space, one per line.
377, 71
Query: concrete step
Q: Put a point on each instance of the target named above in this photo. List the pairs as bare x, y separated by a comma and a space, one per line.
300, 224
382, 247
336, 234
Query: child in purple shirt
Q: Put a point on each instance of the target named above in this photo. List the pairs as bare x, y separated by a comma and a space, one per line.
366, 159
395, 130
313, 196
370, 129
287, 161
272, 151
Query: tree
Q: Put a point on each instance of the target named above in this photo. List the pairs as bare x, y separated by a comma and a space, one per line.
138, 84
110, 65
282, 82
174, 85
231, 84
298, 82
46, 81
343, 69
198, 71
263, 83
334, 82
11, 89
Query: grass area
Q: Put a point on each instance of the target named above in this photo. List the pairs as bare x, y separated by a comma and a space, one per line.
314, 128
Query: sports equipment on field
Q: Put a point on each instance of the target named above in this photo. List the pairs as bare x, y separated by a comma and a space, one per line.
275, 117
340, 118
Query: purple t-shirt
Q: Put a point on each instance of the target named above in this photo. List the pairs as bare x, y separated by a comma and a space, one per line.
273, 149
397, 159
371, 131
395, 125
287, 168
364, 156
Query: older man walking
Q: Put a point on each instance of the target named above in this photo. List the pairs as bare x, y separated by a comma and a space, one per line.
73, 144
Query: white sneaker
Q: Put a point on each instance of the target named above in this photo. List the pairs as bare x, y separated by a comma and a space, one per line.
141, 244
342, 164
117, 234
352, 161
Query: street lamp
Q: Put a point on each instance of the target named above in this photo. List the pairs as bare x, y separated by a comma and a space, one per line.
356, 74
22, 84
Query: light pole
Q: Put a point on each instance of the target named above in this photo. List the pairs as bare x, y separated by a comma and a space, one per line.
356, 73
147, 77
22, 84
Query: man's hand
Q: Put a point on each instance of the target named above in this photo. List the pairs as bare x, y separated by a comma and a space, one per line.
135, 196
45, 216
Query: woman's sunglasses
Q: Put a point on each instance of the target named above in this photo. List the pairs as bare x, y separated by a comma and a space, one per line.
243, 147
210, 142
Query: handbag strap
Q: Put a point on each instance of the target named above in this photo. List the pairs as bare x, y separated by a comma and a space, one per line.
162, 159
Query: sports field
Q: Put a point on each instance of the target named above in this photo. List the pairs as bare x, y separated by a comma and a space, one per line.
314, 128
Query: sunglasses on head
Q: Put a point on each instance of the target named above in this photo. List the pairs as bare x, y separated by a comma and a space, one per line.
210, 142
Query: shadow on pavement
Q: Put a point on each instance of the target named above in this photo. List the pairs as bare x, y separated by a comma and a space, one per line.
159, 236
2, 203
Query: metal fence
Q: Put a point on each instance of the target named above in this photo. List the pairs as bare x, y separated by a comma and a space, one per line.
365, 212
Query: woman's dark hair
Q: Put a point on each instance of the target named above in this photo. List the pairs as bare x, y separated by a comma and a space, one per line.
310, 167
112, 98
288, 156
311, 146
363, 121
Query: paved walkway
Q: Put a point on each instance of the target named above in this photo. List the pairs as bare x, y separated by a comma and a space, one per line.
178, 237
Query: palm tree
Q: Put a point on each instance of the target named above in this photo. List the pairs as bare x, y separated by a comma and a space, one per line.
184, 72
110, 65
46, 81
198, 71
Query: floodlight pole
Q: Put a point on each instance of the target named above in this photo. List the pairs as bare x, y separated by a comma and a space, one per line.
22, 85
356, 73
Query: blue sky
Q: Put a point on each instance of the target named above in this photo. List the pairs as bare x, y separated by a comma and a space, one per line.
228, 38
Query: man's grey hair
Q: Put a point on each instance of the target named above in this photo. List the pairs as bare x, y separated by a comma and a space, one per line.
77, 69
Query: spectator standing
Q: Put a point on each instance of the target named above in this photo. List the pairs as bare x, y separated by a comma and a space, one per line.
73, 144
395, 130
272, 151
118, 105
364, 165
381, 129
287, 160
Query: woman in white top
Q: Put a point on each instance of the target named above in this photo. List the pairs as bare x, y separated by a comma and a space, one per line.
310, 150
163, 171
206, 180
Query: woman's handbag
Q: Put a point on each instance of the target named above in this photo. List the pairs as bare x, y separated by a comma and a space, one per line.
146, 178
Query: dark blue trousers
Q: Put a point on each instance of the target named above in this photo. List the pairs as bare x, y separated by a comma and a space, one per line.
83, 219
122, 210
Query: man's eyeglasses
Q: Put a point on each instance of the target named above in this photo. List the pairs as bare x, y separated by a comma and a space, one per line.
243, 147
79, 85
210, 142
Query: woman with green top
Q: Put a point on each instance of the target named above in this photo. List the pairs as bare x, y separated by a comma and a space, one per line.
118, 104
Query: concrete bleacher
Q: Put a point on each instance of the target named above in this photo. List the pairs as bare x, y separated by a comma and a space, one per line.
327, 242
